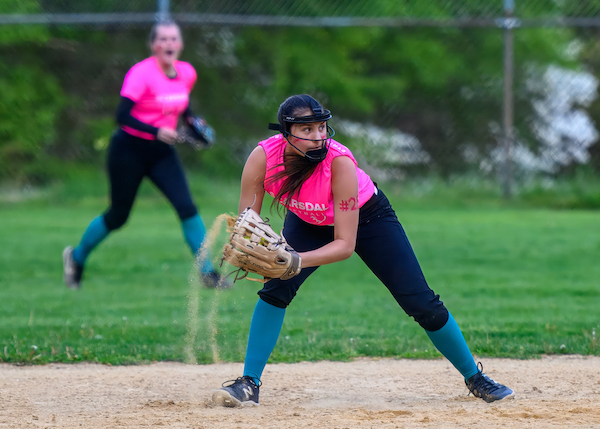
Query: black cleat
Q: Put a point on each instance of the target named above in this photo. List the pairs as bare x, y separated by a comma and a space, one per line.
214, 280
72, 271
481, 386
243, 392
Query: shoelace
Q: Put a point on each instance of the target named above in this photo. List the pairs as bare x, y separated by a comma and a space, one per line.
242, 379
483, 382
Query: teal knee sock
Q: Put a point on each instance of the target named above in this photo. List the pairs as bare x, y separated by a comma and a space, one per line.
93, 235
194, 233
265, 327
450, 341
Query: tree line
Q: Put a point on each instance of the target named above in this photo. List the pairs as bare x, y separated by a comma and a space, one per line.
59, 86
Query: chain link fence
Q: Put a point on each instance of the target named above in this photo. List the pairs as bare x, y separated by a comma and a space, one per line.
482, 88
554, 11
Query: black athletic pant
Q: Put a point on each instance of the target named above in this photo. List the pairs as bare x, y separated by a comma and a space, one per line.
383, 246
129, 160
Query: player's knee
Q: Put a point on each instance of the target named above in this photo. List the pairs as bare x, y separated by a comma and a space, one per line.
115, 219
433, 319
186, 212
280, 293
278, 300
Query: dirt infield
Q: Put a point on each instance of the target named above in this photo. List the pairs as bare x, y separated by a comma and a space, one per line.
553, 392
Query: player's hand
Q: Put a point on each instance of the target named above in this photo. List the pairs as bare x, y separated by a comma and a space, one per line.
190, 120
166, 135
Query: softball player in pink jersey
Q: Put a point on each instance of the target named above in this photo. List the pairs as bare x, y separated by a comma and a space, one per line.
154, 95
334, 209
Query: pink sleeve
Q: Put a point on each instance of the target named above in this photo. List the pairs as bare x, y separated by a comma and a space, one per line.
134, 84
194, 78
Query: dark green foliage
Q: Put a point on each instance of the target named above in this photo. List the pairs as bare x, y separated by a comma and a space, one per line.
442, 85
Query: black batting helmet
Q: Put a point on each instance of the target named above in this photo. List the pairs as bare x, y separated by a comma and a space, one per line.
286, 117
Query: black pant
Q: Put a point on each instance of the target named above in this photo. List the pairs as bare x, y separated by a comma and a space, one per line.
382, 244
129, 160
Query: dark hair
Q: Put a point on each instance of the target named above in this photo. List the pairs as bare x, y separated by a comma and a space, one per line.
296, 168
162, 23
293, 105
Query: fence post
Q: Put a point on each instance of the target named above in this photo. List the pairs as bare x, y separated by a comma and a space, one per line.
162, 12
509, 22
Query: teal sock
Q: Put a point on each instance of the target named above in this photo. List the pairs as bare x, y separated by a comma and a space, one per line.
194, 233
265, 327
93, 235
450, 341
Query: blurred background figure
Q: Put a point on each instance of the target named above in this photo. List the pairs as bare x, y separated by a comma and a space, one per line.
154, 95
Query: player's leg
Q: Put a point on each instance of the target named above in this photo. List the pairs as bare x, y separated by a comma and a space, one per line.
269, 313
267, 321
168, 176
265, 327
74, 258
383, 245
125, 172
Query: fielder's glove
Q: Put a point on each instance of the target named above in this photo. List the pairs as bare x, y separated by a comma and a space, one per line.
255, 248
196, 133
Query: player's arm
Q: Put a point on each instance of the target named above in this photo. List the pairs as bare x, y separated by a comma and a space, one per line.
344, 185
124, 117
135, 86
253, 181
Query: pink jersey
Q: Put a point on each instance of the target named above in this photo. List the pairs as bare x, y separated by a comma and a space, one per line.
159, 100
314, 203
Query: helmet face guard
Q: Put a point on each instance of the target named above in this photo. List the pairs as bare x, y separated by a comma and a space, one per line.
319, 115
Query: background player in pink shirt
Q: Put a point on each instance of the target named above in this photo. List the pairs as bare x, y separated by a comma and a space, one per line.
155, 94
334, 209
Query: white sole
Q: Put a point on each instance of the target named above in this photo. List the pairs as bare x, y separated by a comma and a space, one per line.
65, 259
509, 397
223, 398
68, 271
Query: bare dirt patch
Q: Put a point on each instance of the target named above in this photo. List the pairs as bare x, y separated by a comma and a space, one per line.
552, 392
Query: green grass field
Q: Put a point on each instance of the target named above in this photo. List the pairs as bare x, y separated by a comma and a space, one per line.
520, 281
